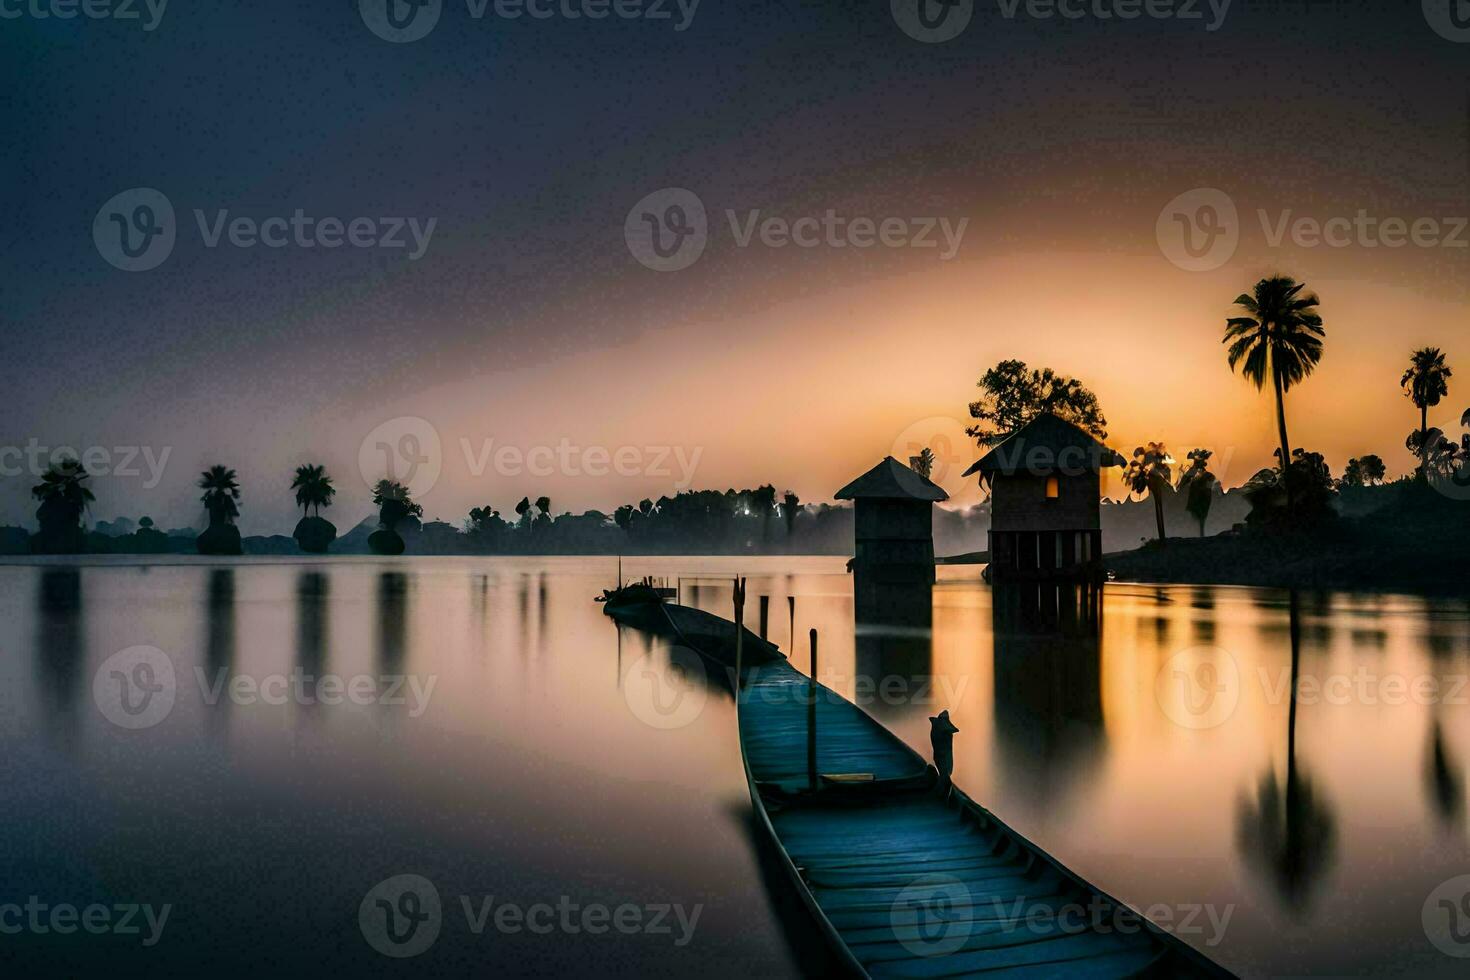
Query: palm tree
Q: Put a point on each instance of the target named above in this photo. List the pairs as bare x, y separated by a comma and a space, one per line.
1199, 485
1280, 337
1148, 472
313, 488
789, 504
923, 464
64, 498
1425, 382
220, 493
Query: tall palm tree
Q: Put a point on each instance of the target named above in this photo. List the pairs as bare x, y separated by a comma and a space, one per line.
1279, 338
62, 489
220, 493
313, 488
1425, 382
1198, 483
1149, 472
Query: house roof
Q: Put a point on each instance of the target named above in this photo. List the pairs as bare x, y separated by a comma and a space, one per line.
891, 480
1044, 445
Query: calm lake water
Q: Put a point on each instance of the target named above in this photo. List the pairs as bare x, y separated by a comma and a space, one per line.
531, 757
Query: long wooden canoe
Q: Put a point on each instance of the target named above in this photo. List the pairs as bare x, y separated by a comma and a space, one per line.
902, 879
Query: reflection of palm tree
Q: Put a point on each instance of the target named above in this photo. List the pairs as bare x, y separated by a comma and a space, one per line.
1280, 335
313, 488
1290, 833
1446, 788
1425, 382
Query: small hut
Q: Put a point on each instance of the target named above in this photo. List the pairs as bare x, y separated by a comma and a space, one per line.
1045, 483
893, 529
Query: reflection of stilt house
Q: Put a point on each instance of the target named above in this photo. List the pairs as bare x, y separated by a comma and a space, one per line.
893, 527
1045, 485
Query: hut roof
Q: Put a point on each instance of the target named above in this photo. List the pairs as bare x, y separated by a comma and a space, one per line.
891, 480
1043, 445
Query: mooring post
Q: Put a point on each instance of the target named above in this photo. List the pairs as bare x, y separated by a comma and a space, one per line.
765, 614
811, 721
791, 611
739, 632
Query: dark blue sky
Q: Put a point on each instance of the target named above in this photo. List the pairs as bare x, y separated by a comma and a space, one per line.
528, 141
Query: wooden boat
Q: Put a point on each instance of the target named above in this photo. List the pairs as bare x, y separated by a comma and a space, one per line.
902, 878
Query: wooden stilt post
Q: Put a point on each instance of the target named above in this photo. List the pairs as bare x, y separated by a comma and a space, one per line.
739, 633
811, 722
791, 611
765, 614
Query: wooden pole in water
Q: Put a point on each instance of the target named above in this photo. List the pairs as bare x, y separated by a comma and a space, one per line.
739, 632
811, 722
765, 614
791, 611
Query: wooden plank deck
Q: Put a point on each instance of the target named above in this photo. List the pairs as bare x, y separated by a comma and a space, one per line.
904, 881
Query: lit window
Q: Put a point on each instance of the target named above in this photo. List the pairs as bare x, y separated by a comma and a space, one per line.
1053, 488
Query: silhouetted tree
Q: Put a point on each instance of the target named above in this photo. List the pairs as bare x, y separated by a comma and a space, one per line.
1425, 382
789, 504
1149, 472
221, 491
1352, 474
1198, 484
1014, 395
313, 488
623, 516
1374, 471
1280, 337
923, 464
64, 498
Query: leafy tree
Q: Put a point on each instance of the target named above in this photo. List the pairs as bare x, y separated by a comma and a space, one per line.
1279, 338
1198, 484
221, 491
64, 497
923, 464
1352, 474
1014, 395
395, 505
623, 516
1149, 472
1374, 471
313, 488
1425, 382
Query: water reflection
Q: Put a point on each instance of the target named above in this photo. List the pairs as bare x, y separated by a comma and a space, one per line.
1446, 787
311, 622
219, 636
1289, 833
392, 622
894, 649
1048, 686
60, 646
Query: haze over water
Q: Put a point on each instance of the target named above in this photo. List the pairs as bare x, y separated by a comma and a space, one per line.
541, 764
